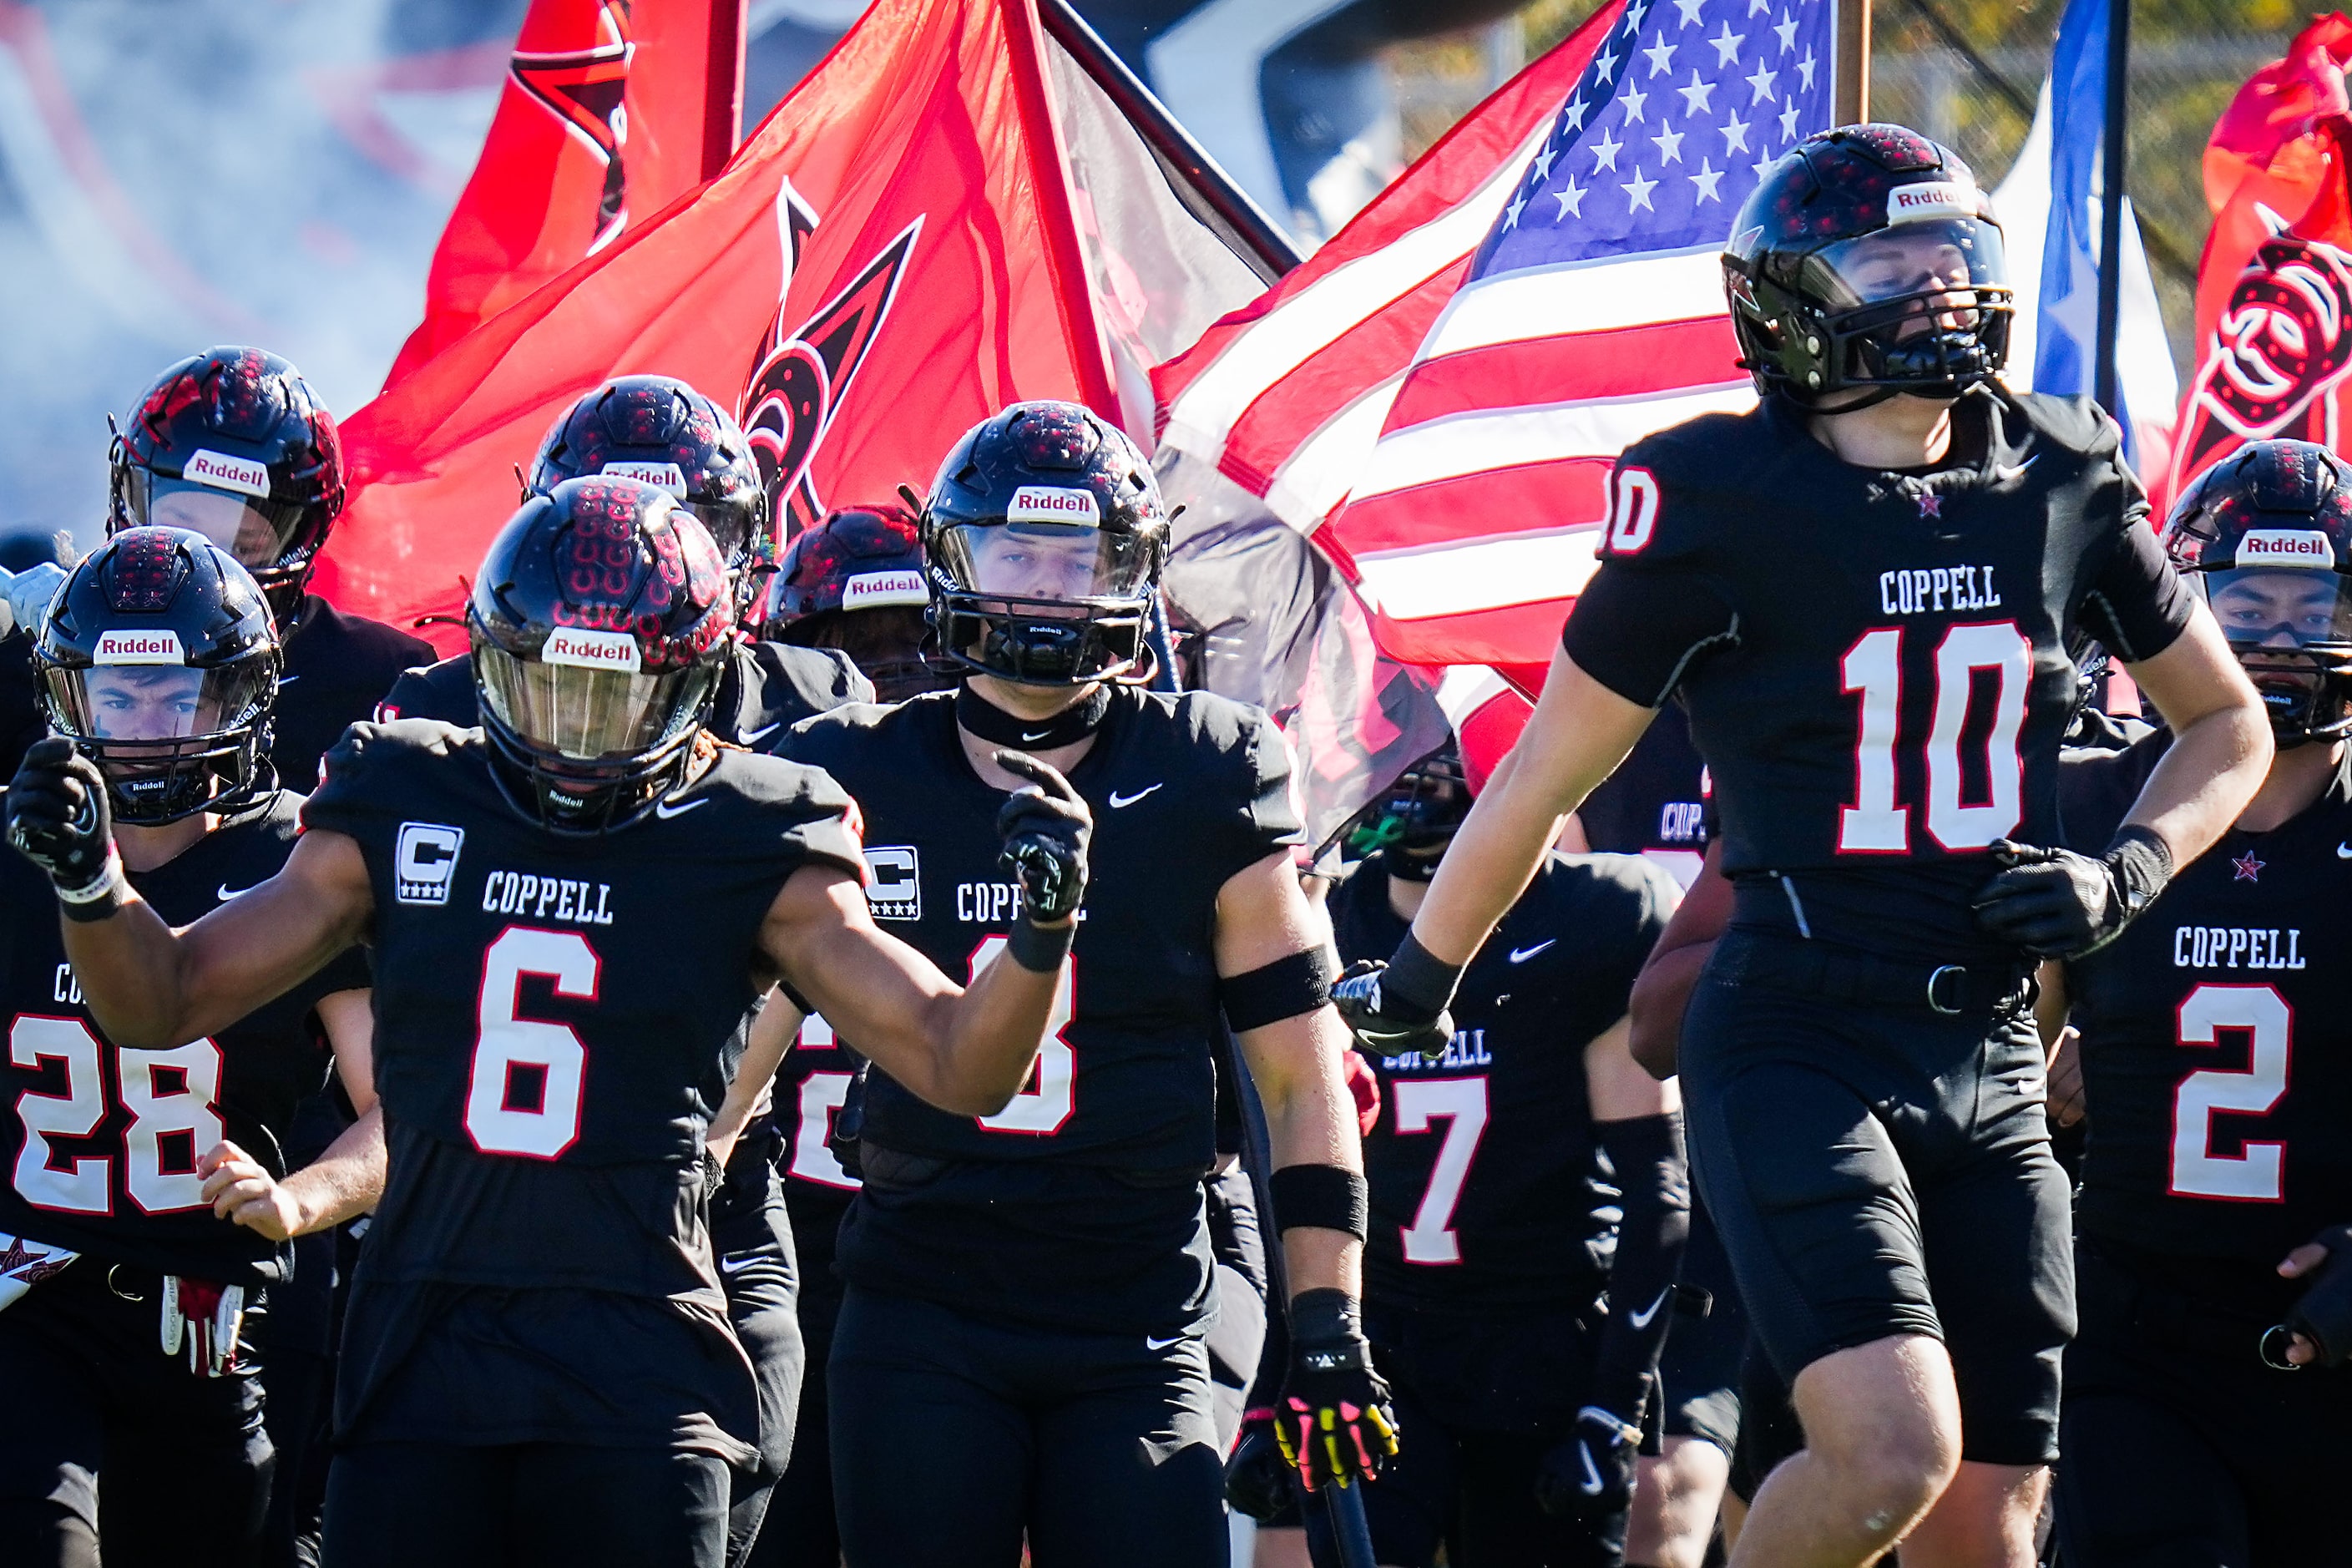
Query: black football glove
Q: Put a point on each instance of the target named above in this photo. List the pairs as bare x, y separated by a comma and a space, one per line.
2056, 904
1332, 1419
1046, 828
1257, 1478
1592, 1475
2323, 1313
59, 819
1399, 1007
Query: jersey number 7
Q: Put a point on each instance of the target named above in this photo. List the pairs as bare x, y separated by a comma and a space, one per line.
1873, 667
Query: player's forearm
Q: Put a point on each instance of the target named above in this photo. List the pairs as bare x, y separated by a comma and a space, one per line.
345, 1181
1490, 861
2212, 769
987, 1039
129, 967
1310, 1120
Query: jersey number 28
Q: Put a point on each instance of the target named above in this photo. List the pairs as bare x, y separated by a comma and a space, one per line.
1873, 667
169, 1094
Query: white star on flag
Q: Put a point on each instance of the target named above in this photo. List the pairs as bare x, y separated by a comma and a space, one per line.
1695, 94
1670, 146
1637, 191
1605, 67
1604, 153
1805, 66
1572, 117
1761, 81
1786, 28
1789, 121
1734, 136
1727, 45
1635, 102
1518, 205
1571, 197
1690, 10
1544, 156
1660, 55
1706, 179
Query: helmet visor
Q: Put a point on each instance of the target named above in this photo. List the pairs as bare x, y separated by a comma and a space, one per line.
1047, 561
1909, 261
253, 529
122, 705
590, 716
2268, 607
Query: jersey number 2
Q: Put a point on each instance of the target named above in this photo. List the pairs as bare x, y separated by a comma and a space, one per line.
2258, 1175
1045, 1101
169, 1094
523, 1094
1873, 667
1460, 1104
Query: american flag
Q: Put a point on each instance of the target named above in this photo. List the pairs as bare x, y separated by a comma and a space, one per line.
1591, 315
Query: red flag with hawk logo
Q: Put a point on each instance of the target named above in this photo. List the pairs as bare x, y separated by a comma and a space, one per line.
889, 259
607, 117
2275, 287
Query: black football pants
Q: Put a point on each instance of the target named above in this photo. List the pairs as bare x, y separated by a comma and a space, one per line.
2184, 1455
525, 1505
752, 1237
954, 1438
86, 1392
1876, 1170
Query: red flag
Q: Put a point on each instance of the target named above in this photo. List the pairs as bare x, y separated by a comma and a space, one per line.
2275, 287
887, 260
608, 115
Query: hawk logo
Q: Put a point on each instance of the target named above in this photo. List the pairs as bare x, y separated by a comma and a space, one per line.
583, 89
2281, 349
803, 372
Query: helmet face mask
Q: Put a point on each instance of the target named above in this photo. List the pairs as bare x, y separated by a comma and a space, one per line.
1410, 827
161, 662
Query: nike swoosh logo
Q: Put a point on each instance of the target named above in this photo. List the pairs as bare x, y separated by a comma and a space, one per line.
666, 810
288, 679
1592, 1482
1521, 955
1038, 736
2005, 472
225, 892
2344, 852
1641, 1320
737, 1264
1118, 801
1152, 1344
753, 737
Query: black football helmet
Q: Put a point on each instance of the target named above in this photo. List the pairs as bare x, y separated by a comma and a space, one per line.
601, 624
658, 429
233, 444
2264, 537
1411, 825
1045, 535
856, 581
159, 658
1868, 258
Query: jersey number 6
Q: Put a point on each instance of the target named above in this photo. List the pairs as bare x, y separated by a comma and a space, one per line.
1875, 824
523, 1095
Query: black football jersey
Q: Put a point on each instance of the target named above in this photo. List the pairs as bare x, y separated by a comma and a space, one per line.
101, 1143
1875, 663
1488, 1190
2217, 1033
770, 687
338, 667
1079, 1204
1655, 804
812, 1086
556, 1016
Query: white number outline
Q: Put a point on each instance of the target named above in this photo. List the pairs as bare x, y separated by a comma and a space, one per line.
822, 1096
153, 1115
1430, 1239
1042, 1110
1875, 824
505, 1040
2259, 1174
89, 1187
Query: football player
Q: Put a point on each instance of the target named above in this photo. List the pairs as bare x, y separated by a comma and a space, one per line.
2217, 1073
856, 581
1518, 1317
570, 910
1863, 592
131, 1316
1026, 1291
233, 443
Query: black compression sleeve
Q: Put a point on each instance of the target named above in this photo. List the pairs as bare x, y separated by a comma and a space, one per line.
1646, 1153
1636, 632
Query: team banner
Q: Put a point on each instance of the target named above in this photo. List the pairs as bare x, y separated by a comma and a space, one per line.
889, 257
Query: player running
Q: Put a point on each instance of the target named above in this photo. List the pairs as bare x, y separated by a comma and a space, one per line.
1026, 1291
570, 912
1864, 590
132, 1327
2216, 1055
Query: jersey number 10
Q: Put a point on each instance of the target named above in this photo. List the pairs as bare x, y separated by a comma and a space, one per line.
1873, 667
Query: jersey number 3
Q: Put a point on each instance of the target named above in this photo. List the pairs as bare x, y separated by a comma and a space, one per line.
1873, 667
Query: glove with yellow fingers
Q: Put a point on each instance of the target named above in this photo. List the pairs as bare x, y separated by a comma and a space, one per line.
1333, 1420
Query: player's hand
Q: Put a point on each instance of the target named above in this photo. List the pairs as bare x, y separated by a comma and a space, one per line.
2065, 1091
2318, 1333
59, 816
243, 1192
1046, 828
2056, 904
25, 596
1388, 1023
1332, 1420
1590, 1476
1257, 1478
206, 1317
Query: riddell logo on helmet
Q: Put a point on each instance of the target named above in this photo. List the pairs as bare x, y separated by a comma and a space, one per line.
1051, 503
138, 648
872, 590
223, 472
1935, 198
661, 476
586, 649
2285, 547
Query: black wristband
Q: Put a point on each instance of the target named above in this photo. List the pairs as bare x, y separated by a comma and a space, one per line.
1040, 949
1287, 988
1325, 1317
1418, 979
1324, 1196
2141, 862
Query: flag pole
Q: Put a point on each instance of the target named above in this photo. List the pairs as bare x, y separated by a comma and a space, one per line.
723, 96
1853, 96
2110, 200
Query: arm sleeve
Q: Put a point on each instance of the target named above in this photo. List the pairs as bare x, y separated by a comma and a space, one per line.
1637, 631
2138, 604
1653, 1180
